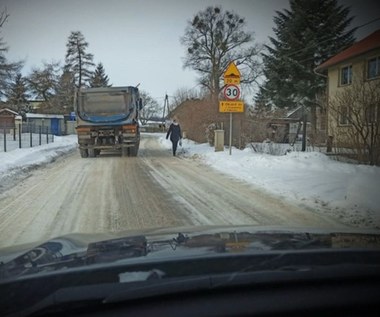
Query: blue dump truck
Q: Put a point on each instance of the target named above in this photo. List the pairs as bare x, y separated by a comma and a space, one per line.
108, 119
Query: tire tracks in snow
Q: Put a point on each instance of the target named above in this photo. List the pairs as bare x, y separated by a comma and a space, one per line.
111, 193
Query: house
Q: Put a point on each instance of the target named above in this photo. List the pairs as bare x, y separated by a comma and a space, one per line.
288, 128
53, 123
199, 119
7, 119
153, 125
353, 96
35, 105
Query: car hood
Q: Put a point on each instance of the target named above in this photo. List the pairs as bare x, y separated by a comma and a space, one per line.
85, 250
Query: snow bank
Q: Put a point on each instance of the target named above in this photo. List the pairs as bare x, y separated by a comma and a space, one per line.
18, 161
308, 178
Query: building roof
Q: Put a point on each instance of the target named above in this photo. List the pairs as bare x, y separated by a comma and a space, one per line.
365, 45
42, 116
9, 111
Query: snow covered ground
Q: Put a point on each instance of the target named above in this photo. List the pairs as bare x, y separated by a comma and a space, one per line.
310, 179
17, 162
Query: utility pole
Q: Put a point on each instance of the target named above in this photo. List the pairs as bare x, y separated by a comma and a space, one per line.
166, 105
304, 114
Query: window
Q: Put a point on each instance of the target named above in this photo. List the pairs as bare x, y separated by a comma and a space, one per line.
346, 75
344, 116
322, 119
322, 122
372, 114
373, 67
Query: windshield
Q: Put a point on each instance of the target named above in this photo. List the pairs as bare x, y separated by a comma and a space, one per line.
148, 131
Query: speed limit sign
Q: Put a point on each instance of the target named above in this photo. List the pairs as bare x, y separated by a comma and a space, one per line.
231, 92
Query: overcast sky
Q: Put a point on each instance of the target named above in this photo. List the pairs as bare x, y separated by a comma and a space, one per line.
138, 41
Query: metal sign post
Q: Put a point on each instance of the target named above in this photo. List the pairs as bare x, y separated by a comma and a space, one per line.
230, 133
231, 93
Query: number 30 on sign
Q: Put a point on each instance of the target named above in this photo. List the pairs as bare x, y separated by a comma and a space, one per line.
231, 92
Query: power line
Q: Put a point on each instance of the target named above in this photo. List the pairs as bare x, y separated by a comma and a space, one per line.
365, 24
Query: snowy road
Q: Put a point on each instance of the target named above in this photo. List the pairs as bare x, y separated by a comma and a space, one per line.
112, 193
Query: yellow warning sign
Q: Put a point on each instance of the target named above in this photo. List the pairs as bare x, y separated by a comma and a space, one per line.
232, 75
231, 106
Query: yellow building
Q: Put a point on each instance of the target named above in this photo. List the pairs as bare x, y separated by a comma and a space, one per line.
353, 99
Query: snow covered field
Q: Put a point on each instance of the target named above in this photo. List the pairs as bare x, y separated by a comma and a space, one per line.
310, 179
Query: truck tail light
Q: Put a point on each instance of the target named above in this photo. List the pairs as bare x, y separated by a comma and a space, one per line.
83, 129
129, 128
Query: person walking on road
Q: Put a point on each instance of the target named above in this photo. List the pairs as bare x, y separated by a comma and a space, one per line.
175, 135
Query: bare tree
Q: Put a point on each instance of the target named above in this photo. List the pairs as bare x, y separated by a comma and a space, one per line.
4, 15
8, 71
43, 81
150, 107
213, 39
183, 94
356, 112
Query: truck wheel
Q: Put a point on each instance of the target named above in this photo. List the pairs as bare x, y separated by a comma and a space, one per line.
124, 151
133, 151
83, 153
97, 152
91, 153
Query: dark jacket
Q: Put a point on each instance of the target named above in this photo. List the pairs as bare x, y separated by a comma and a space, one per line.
174, 132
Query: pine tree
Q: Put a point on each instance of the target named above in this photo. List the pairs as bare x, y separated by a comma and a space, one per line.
305, 36
78, 61
99, 78
65, 90
17, 94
